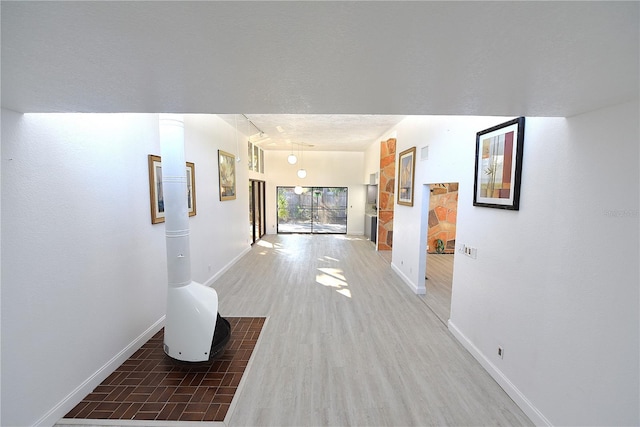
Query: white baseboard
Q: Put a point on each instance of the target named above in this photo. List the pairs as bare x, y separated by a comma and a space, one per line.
72, 399
516, 395
224, 269
417, 289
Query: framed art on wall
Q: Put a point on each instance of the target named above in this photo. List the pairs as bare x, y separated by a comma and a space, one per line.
227, 175
498, 166
155, 188
406, 176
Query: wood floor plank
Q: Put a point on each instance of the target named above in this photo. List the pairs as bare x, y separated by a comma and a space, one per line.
348, 343
438, 285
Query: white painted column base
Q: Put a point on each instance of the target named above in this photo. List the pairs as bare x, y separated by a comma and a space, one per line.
191, 321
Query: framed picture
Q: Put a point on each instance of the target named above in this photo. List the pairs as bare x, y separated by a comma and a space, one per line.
499, 166
157, 195
406, 176
227, 174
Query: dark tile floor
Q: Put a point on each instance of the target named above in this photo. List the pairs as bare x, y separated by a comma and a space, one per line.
151, 386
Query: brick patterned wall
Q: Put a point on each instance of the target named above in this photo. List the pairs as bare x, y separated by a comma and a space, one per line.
386, 189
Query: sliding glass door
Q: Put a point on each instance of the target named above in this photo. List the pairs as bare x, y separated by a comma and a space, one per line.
257, 207
316, 210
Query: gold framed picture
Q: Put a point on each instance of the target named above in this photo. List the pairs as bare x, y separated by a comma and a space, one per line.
227, 175
406, 176
155, 188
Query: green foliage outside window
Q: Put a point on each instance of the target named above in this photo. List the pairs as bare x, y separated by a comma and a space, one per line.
283, 206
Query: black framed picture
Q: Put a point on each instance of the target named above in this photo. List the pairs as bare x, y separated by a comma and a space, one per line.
499, 166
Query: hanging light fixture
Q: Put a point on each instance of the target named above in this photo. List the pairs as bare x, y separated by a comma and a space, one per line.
297, 189
302, 172
292, 159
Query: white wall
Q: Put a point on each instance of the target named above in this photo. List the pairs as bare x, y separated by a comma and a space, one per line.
324, 169
83, 268
555, 283
220, 230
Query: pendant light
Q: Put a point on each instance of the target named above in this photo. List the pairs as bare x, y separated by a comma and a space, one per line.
302, 172
292, 159
297, 189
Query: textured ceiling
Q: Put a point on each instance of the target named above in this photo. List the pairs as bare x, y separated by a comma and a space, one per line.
318, 132
319, 58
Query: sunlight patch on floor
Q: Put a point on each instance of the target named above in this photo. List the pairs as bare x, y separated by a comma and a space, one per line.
333, 278
345, 237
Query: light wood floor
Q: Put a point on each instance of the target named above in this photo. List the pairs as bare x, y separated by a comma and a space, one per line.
438, 284
348, 343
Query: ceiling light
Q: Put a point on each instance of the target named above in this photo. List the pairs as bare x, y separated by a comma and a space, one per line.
297, 189
302, 172
292, 159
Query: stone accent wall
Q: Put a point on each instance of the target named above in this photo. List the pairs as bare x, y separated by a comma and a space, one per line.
443, 210
386, 196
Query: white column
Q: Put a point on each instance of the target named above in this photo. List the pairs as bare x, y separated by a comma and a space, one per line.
174, 188
191, 307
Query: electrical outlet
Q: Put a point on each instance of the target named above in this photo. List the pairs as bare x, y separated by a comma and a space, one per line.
470, 251
500, 352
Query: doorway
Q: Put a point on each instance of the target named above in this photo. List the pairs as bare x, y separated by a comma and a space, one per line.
441, 245
257, 209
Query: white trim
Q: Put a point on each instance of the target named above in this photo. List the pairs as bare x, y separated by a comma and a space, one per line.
520, 399
72, 399
224, 269
418, 290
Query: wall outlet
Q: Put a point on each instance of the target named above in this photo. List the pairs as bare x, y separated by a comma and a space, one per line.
500, 352
469, 251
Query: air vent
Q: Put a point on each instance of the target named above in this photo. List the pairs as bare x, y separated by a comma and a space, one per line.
424, 153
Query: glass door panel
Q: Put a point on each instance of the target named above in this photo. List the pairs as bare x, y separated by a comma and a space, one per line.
257, 207
251, 214
263, 208
330, 210
315, 210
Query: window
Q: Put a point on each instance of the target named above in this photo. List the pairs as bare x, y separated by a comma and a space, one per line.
256, 158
